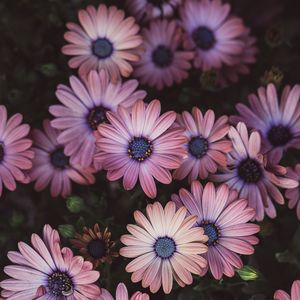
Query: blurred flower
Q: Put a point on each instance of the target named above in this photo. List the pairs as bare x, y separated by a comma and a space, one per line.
67, 231
295, 292
212, 32
225, 222
274, 75
293, 194
247, 174
140, 145
164, 246
84, 107
163, 63
49, 271
52, 167
277, 121
122, 294
206, 147
248, 273
94, 245
75, 204
15, 154
274, 35
146, 10
107, 40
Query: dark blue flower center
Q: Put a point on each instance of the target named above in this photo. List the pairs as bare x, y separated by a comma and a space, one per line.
139, 148
250, 170
97, 248
279, 135
211, 230
60, 284
97, 116
162, 56
203, 37
164, 247
198, 146
59, 159
1, 152
102, 48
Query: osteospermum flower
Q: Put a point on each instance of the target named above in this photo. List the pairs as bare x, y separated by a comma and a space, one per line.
15, 154
145, 10
206, 147
122, 294
164, 246
277, 122
246, 173
162, 62
294, 194
52, 167
107, 40
84, 107
140, 145
225, 222
212, 33
94, 245
45, 271
295, 292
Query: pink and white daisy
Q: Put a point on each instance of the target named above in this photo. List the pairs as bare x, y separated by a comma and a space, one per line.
122, 294
15, 153
45, 271
162, 63
295, 292
105, 40
224, 219
146, 10
246, 173
277, 122
212, 33
207, 147
164, 246
52, 167
140, 145
293, 195
84, 107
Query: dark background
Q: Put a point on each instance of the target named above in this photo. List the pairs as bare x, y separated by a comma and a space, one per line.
31, 66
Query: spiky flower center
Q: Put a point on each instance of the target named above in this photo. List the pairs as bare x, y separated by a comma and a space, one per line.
279, 135
212, 231
250, 170
164, 247
97, 116
60, 284
204, 38
59, 159
96, 248
139, 148
102, 48
162, 56
1, 152
198, 146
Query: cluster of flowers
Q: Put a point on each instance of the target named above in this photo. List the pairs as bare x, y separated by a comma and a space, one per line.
103, 123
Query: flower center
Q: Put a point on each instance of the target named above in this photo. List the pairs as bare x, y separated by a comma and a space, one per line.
96, 248
204, 38
97, 116
250, 170
1, 152
102, 48
164, 247
212, 231
60, 284
162, 56
279, 135
139, 148
59, 159
198, 146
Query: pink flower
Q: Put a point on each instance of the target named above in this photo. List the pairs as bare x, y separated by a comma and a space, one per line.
225, 222
162, 62
45, 271
293, 194
84, 107
140, 145
52, 167
246, 173
164, 246
15, 154
122, 294
107, 40
207, 147
295, 293
212, 33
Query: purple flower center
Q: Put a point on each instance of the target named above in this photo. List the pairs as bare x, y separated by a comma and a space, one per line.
60, 284
162, 56
1, 152
212, 231
102, 48
97, 116
279, 135
204, 38
164, 247
198, 146
97, 248
139, 148
250, 170
59, 159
